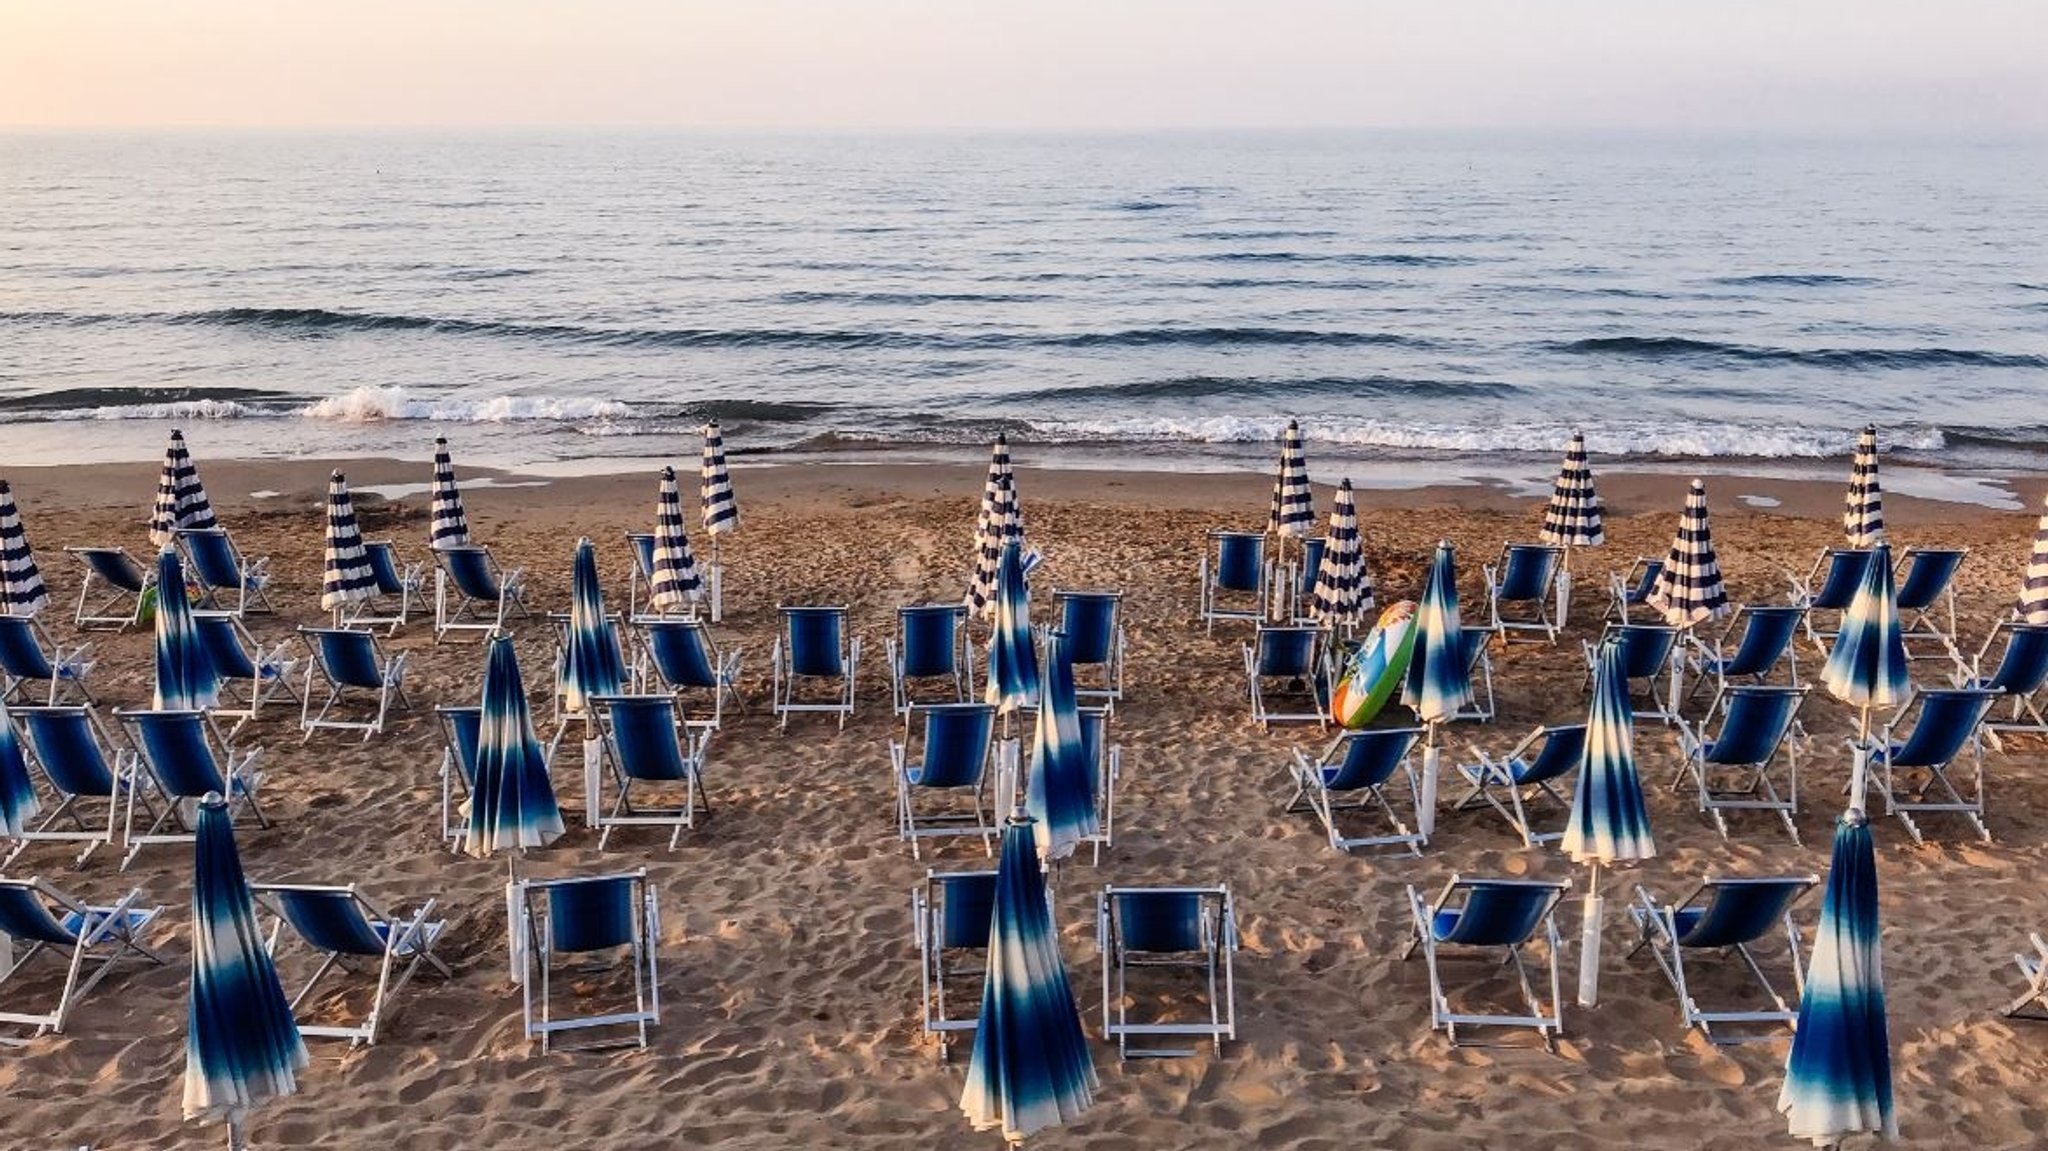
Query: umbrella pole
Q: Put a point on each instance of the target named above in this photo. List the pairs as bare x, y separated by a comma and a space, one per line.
593, 765
237, 1139
1564, 588
1589, 942
514, 934
1425, 803
1859, 771
717, 584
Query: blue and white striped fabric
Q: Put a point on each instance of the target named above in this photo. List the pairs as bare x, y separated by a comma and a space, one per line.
675, 582
18, 803
21, 582
1060, 795
2033, 606
1000, 522
1012, 660
1030, 1069
591, 665
1863, 510
513, 803
1343, 591
348, 577
1689, 589
1609, 822
1439, 682
1838, 1077
185, 675
721, 511
1868, 667
449, 527
1574, 518
180, 498
1293, 511
242, 1045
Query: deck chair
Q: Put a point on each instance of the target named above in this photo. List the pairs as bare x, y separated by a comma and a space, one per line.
1190, 928
226, 581
645, 745
1108, 759
1093, 623
814, 645
1359, 763
1236, 577
679, 656
1490, 915
1767, 632
111, 594
1301, 580
399, 590
1479, 672
952, 760
1524, 579
2020, 675
2033, 1002
1289, 662
950, 916
1829, 587
1529, 770
1629, 590
29, 656
1926, 582
1732, 916
183, 757
249, 674
343, 927
1649, 657
81, 764
1738, 768
1947, 728
472, 593
930, 645
461, 731
347, 660
575, 918
91, 940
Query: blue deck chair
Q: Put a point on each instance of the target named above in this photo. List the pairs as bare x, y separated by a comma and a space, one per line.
1108, 758
1479, 672
1947, 729
640, 581
249, 674
226, 581
89, 939
814, 645
348, 660
2021, 673
81, 764
1530, 769
1524, 579
1829, 587
2033, 1002
950, 915
399, 590
472, 593
1926, 582
1292, 663
679, 656
1361, 764
952, 761
1191, 928
1738, 768
1490, 916
930, 645
576, 918
461, 731
644, 745
1236, 578
1767, 632
111, 594
1725, 915
1301, 579
1629, 590
1648, 658
28, 656
1093, 622
343, 927
183, 757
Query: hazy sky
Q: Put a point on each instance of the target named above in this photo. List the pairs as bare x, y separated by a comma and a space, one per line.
1916, 66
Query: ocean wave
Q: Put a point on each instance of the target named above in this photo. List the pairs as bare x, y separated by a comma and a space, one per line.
1224, 337
373, 404
1795, 280
1698, 440
1212, 387
1876, 359
68, 402
1368, 259
911, 299
1264, 234
176, 410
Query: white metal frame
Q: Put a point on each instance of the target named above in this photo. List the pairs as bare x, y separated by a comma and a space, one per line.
1544, 601
464, 615
1658, 923
537, 986
783, 681
692, 746
1215, 962
408, 938
110, 934
391, 687
1549, 1024
97, 616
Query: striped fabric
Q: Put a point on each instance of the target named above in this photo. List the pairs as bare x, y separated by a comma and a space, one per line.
512, 806
2033, 606
1000, 522
1863, 510
1574, 517
450, 525
180, 498
1838, 1075
675, 582
185, 676
21, 582
1690, 589
1293, 512
1060, 795
1343, 593
591, 665
242, 1045
1012, 660
721, 511
1030, 1069
18, 803
1609, 822
1439, 682
348, 577
1867, 667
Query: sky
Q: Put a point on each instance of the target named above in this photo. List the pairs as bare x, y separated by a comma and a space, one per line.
1766, 66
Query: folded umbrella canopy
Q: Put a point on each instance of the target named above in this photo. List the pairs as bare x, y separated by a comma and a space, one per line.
1000, 522
1863, 510
1343, 590
1060, 795
675, 583
347, 578
1609, 822
449, 527
180, 498
186, 679
21, 582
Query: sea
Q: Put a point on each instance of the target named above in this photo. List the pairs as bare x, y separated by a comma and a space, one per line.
1421, 303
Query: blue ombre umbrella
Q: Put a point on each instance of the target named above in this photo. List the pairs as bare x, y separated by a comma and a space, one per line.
347, 577
1030, 1069
1439, 682
18, 802
1609, 823
1060, 795
674, 583
512, 806
1867, 668
1838, 1077
185, 676
242, 1045
1012, 660
591, 663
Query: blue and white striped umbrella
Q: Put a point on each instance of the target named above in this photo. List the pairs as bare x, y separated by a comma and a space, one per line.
21, 582
449, 527
1609, 822
1060, 795
2033, 606
1293, 510
721, 511
513, 803
1690, 588
348, 577
1838, 1076
1343, 591
1863, 510
242, 1045
1574, 518
185, 675
591, 665
180, 498
18, 803
676, 583
1439, 683
1000, 522
1030, 1069
1012, 659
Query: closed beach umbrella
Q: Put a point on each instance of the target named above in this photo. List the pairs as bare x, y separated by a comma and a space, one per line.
1609, 823
450, 525
513, 804
348, 578
1863, 511
1293, 511
185, 675
1690, 588
1343, 591
592, 666
21, 583
1060, 795
1867, 668
721, 511
2033, 607
1030, 1069
676, 583
18, 802
1000, 521
242, 1045
180, 498
1439, 681
1574, 517
1012, 660
1838, 1076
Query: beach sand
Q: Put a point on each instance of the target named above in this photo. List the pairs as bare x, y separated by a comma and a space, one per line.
788, 974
